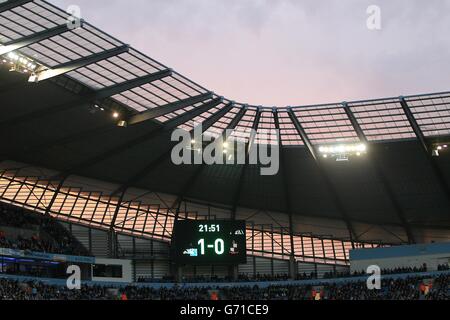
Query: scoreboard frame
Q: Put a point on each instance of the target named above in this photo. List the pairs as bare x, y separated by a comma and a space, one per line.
209, 242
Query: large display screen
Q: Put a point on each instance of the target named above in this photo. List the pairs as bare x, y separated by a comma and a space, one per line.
196, 242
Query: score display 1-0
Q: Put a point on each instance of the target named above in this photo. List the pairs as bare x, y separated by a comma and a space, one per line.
209, 242
218, 246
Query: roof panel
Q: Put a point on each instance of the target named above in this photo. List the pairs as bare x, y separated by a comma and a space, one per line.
219, 126
37, 54
177, 113
169, 92
243, 129
382, 120
133, 65
266, 131
191, 124
85, 78
288, 133
432, 113
8, 23
28, 19
326, 124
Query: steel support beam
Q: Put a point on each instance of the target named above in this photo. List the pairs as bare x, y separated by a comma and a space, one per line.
192, 114
33, 38
166, 154
329, 184
11, 4
249, 145
233, 124
191, 181
116, 211
379, 172
415, 126
287, 192
55, 195
439, 175
131, 84
168, 108
77, 64
87, 98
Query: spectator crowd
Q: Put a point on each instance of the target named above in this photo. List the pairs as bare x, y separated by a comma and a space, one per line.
411, 288
48, 234
285, 277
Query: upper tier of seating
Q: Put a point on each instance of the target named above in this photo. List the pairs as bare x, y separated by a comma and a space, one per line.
45, 234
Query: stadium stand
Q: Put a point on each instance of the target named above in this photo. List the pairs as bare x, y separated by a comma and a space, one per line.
409, 287
45, 234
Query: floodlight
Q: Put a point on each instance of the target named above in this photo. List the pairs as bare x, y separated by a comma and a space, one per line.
362, 147
342, 152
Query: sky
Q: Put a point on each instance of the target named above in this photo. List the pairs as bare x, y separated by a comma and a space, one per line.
288, 52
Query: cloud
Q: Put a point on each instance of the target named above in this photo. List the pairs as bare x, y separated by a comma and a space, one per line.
288, 52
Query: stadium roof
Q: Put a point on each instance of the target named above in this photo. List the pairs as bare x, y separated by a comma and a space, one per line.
63, 122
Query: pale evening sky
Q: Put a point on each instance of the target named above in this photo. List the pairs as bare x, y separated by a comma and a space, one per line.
288, 52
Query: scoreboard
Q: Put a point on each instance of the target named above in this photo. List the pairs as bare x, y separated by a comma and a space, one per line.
220, 242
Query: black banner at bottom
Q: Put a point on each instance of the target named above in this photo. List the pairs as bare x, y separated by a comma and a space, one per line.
168, 310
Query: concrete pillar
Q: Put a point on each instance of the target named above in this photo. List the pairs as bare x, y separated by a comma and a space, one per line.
233, 272
179, 273
293, 268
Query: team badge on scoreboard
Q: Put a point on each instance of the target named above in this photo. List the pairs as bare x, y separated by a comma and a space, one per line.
193, 252
234, 250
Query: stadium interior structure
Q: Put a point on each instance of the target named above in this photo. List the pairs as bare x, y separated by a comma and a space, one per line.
86, 120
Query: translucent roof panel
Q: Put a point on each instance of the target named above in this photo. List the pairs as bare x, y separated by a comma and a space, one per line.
27, 19
432, 113
326, 124
382, 120
115, 70
223, 123
175, 114
191, 124
86, 41
69, 46
266, 132
243, 130
63, 48
159, 93
288, 133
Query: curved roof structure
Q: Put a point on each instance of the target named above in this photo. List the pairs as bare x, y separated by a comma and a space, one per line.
62, 120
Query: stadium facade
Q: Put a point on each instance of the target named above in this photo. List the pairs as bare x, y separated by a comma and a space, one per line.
86, 120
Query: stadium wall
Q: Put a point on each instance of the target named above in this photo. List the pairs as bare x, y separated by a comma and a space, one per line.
126, 265
432, 255
150, 258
